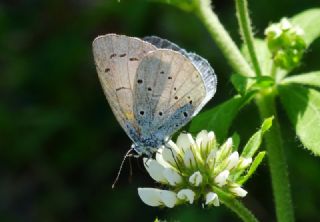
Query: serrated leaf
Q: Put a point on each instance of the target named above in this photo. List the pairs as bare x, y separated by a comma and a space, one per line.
309, 21
256, 162
311, 79
303, 108
263, 54
219, 118
255, 141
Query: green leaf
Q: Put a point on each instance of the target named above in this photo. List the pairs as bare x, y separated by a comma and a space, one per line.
241, 83
247, 84
311, 78
235, 141
303, 108
219, 118
309, 21
255, 141
256, 162
263, 54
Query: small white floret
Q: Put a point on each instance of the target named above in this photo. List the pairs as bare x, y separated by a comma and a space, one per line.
233, 160
212, 198
222, 177
195, 179
154, 169
186, 195
238, 191
172, 176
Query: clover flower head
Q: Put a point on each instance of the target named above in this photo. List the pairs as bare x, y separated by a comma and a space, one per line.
195, 169
286, 43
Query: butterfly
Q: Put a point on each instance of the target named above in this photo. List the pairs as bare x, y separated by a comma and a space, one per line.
152, 85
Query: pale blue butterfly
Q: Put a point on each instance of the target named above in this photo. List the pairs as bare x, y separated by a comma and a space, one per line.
152, 85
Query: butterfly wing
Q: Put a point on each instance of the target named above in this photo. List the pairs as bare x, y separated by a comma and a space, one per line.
117, 58
168, 92
203, 66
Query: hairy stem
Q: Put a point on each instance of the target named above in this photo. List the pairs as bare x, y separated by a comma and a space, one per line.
236, 206
246, 32
223, 39
276, 157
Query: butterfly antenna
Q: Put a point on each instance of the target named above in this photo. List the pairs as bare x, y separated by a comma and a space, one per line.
119, 171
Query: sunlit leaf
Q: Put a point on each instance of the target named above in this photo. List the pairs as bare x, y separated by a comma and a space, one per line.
303, 108
256, 162
309, 21
255, 141
311, 78
247, 84
220, 117
263, 54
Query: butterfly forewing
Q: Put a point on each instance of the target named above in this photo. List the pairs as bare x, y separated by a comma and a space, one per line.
117, 58
168, 89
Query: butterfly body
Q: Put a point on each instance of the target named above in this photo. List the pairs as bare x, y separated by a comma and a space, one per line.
153, 87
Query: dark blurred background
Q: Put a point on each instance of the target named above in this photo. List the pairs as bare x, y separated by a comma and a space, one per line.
60, 143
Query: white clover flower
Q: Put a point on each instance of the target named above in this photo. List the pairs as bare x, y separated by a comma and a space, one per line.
156, 197
195, 169
238, 191
186, 195
212, 198
221, 178
195, 179
233, 160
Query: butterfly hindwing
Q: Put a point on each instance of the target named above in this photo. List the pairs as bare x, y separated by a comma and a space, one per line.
168, 90
203, 66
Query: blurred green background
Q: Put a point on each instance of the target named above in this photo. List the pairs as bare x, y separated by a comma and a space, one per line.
60, 143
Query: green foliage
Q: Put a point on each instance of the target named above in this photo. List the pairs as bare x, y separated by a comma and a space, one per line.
309, 79
219, 118
251, 84
187, 5
256, 162
303, 108
308, 20
263, 54
255, 141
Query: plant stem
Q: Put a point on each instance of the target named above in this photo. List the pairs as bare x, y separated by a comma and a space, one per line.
236, 206
277, 161
246, 31
223, 39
